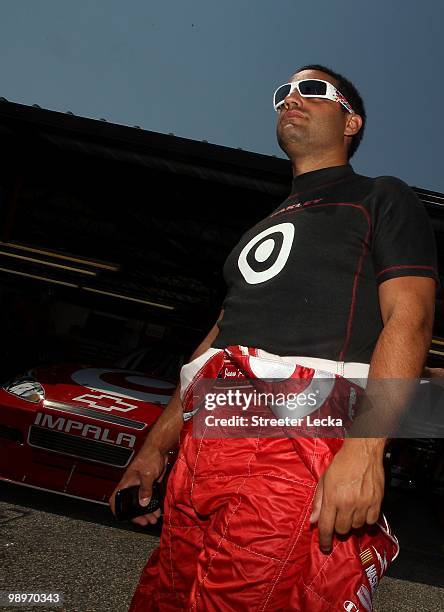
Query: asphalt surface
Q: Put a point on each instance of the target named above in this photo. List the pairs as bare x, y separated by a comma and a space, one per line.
53, 544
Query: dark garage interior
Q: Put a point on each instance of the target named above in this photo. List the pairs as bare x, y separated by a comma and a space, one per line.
113, 238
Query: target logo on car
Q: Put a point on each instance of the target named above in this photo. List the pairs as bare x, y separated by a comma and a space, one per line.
113, 388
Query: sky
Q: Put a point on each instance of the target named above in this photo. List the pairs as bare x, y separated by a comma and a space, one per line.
207, 70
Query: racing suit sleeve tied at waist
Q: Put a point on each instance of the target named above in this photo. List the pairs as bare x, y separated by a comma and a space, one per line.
291, 391
237, 512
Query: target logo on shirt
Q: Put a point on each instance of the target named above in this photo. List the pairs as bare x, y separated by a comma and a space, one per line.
265, 255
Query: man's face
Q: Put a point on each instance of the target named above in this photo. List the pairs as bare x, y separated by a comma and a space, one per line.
315, 124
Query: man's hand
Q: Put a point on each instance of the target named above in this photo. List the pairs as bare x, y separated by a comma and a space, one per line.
149, 465
350, 492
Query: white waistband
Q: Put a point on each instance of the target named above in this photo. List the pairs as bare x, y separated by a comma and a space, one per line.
357, 372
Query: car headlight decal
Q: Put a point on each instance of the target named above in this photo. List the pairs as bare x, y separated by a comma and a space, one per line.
27, 389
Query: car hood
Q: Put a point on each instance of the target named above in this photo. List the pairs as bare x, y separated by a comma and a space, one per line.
109, 390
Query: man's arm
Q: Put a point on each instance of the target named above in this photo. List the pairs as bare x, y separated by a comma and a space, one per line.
350, 491
150, 462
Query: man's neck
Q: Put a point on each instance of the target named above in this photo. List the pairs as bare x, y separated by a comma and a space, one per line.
309, 164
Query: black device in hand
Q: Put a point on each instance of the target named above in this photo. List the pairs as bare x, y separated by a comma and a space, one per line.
127, 503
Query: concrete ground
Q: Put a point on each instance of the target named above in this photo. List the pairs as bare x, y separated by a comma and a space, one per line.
50, 543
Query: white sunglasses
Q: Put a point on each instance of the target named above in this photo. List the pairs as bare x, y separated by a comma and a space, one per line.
310, 88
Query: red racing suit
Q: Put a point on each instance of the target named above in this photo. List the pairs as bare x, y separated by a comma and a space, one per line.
236, 533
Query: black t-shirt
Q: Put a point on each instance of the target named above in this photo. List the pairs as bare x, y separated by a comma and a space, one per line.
304, 281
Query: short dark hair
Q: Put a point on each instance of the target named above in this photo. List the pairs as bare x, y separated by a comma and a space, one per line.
349, 91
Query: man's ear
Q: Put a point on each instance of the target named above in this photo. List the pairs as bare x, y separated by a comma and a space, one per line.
353, 125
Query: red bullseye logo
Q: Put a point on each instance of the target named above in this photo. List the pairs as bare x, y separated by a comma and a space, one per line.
116, 387
137, 383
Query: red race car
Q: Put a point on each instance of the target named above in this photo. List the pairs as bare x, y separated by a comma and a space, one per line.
74, 429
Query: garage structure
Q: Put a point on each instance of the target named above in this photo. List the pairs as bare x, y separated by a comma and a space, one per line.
113, 238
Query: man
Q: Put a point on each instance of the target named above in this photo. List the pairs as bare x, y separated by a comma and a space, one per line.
341, 277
